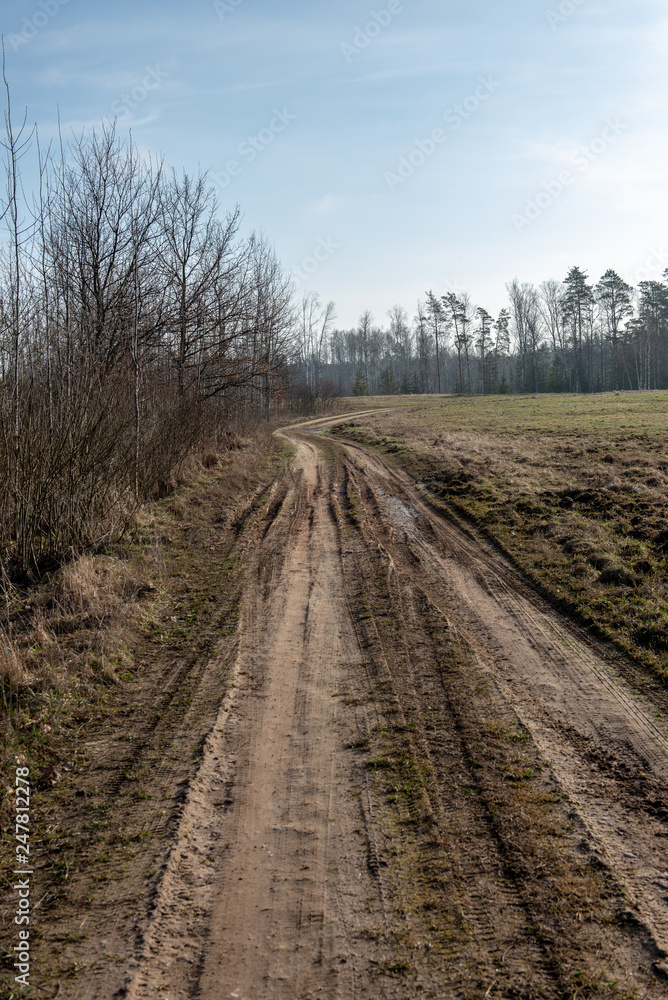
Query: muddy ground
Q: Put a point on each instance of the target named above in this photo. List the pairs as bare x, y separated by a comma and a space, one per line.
380, 767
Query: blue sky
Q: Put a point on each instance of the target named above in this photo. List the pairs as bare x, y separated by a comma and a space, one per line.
385, 148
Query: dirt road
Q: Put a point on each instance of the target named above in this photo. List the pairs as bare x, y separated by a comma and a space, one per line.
422, 782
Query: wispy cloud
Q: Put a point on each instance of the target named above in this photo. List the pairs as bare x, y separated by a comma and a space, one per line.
353, 122
240, 88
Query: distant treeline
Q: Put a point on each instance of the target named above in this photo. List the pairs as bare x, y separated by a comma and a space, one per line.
570, 336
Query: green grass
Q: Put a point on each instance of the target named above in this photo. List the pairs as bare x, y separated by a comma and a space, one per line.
573, 488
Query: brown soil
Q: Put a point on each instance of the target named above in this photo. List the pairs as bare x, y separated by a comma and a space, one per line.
418, 780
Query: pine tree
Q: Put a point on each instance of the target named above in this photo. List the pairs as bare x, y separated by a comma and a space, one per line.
501, 351
460, 320
437, 320
388, 383
360, 387
614, 297
651, 334
484, 344
578, 299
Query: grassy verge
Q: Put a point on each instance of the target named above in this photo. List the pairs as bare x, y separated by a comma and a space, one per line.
573, 488
105, 686
68, 643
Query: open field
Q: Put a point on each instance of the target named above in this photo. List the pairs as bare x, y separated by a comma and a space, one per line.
352, 751
574, 488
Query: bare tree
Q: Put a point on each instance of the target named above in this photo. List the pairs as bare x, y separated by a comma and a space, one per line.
314, 329
525, 307
437, 320
191, 252
17, 142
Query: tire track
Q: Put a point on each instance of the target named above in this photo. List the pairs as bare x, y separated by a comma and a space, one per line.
599, 737
488, 895
276, 926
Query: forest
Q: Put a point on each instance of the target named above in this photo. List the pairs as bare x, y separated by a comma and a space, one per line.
562, 336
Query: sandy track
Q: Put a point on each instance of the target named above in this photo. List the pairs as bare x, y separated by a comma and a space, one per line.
273, 909
342, 839
283, 866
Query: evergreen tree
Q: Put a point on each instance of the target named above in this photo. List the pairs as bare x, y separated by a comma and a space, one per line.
485, 347
578, 299
360, 387
388, 383
614, 297
556, 379
458, 314
651, 335
501, 352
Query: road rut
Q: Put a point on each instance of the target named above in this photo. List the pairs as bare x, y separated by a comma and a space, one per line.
403, 707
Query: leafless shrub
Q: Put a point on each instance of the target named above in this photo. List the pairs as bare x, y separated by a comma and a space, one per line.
136, 330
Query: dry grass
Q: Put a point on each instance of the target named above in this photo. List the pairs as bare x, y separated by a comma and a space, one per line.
97, 585
572, 487
66, 638
14, 674
126, 654
68, 642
